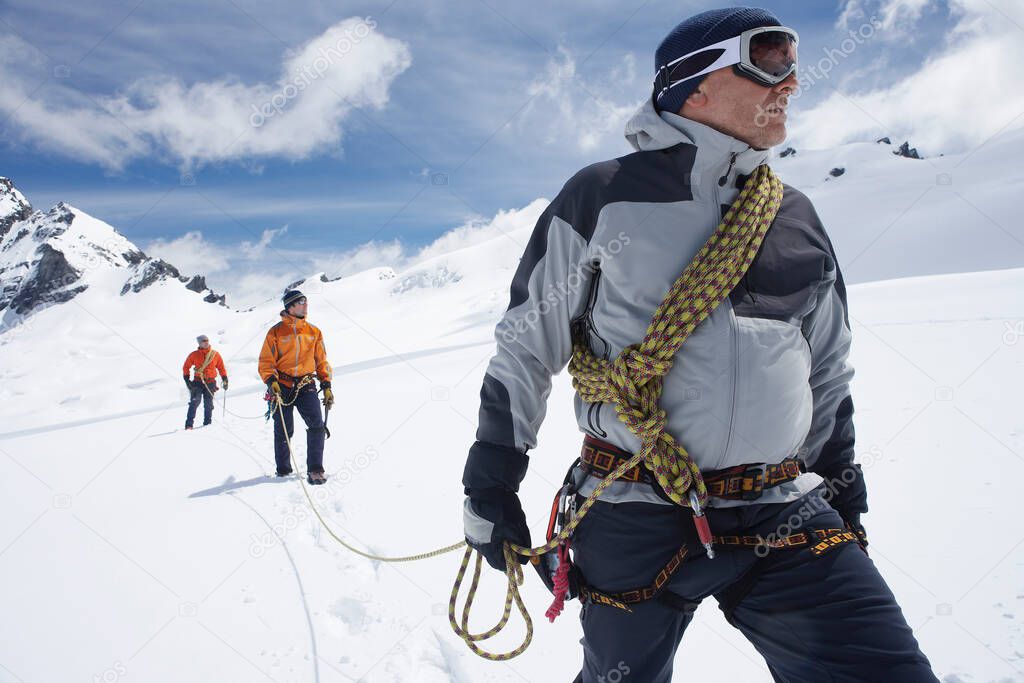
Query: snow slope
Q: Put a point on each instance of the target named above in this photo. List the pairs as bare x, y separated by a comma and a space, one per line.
890, 216
131, 550
141, 550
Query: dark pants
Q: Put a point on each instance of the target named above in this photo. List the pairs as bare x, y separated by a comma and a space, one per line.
813, 618
308, 405
200, 394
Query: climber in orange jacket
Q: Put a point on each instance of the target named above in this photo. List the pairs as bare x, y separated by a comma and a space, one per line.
293, 352
207, 363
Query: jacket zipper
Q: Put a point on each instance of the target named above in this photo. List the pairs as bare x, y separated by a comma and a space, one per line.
295, 331
733, 331
734, 334
586, 320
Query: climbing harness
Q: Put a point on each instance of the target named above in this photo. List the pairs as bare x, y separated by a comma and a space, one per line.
742, 482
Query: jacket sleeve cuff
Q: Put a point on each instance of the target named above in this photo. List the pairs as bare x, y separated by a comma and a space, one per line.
492, 466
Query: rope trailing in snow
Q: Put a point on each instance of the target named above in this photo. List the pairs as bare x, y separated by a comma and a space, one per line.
327, 527
633, 383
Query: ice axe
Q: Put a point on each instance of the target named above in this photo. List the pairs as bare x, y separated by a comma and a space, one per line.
327, 412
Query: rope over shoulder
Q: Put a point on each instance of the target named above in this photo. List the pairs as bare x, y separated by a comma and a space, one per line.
633, 380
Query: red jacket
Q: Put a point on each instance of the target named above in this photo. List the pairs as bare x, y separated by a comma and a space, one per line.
196, 360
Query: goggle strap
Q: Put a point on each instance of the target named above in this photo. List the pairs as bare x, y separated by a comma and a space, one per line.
730, 54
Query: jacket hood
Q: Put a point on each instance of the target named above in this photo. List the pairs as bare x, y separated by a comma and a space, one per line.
649, 130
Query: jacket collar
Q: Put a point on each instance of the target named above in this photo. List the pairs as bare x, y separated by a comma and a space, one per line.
649, 130
291, 320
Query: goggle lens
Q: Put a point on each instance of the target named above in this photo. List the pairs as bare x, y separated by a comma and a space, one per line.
773, 52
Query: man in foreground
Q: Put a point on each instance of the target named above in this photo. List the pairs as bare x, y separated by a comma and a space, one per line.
756, 398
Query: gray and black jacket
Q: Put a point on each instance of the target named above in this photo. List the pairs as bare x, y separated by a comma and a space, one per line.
763, 378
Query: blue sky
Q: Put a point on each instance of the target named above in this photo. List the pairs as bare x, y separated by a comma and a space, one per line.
484, 106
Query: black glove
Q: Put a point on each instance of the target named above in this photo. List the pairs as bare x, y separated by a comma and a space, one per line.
188, 383
846, 492
224, 383
492, 512
493, 516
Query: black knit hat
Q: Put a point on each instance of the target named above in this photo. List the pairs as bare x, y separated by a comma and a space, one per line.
290, 297
702, 30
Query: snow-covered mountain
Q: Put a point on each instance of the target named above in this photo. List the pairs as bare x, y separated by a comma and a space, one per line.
148, 553
49, 257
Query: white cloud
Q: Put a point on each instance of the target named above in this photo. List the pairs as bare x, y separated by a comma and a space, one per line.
191, 254
893, 15
586, 112
970, 87
363, 257
299, 115
256, 250
253, 272
509, 224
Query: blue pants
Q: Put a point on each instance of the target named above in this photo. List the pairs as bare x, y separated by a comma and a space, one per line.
812, 618
200, 394
308, 405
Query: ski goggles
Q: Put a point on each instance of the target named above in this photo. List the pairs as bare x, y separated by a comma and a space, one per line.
765, 55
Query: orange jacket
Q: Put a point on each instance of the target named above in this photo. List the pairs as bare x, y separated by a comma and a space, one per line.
294, 347
196, 360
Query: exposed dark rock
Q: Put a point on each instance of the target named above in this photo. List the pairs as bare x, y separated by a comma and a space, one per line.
134, 257
907, 151
789, 151
213, 298
837, 171
22, 234
196, 284
153, 271
22, 209
884, 140
49, 284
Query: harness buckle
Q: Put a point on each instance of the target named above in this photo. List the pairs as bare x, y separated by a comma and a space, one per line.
757, 475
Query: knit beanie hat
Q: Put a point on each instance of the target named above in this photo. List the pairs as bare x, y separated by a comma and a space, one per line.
290, 297
699, 31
